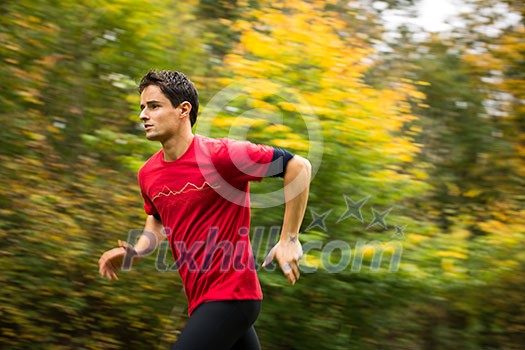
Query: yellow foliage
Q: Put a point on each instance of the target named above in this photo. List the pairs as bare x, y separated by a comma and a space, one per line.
420, 174
416, 238
296, 145
311, 260
388, 175
451, 254
447, 265
453, 189
276, 128
368, 251
472, 193
287, 106
262, 105
10, 60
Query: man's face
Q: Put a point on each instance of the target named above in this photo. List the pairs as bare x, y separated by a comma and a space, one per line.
161, 119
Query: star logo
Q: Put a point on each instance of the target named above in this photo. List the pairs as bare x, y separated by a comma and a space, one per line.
379, 218
353, 208
399, 232
318, 220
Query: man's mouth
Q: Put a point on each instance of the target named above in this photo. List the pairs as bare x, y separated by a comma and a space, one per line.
148, 126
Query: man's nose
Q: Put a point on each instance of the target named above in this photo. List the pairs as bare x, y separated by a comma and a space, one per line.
143, 115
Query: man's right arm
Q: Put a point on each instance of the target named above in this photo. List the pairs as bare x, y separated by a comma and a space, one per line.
150, 238
127, 255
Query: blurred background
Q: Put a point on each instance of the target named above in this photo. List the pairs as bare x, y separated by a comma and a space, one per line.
421, 119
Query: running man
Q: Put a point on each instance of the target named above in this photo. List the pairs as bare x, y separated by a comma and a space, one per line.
196, 194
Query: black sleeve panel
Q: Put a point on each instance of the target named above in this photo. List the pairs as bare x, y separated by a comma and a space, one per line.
280, 160
157, 216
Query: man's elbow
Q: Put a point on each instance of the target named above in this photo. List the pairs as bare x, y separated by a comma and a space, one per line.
307, 166
302, 166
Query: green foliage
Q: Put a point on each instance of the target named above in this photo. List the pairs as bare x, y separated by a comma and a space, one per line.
436, 138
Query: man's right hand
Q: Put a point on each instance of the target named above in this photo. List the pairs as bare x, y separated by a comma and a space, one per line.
111, 261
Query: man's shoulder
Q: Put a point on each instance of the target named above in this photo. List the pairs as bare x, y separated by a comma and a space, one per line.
212, 146
219, 142
225, 146
210, 141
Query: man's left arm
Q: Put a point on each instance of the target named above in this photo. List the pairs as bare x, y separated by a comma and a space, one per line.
288, 250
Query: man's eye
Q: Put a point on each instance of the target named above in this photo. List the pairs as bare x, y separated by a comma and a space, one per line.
154, 106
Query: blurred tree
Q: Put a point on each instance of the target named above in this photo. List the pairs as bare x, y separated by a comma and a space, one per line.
430, 128
299, 71
470, 123
69, 155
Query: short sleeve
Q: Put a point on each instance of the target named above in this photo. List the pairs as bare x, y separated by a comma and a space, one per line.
245, 161
149, 207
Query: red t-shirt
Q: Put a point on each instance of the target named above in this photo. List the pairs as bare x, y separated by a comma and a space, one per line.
203, 201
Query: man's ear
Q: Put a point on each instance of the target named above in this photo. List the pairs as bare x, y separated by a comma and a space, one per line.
185, 109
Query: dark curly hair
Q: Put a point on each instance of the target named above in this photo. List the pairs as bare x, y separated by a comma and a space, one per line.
177, 88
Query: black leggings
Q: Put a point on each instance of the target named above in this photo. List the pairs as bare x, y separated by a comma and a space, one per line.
221, 325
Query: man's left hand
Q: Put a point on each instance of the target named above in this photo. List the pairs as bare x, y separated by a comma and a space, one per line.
287, 252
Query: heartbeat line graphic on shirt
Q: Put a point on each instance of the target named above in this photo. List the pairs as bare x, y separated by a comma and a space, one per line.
166, 191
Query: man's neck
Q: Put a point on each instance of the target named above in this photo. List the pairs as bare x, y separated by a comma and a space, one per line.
175, 147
